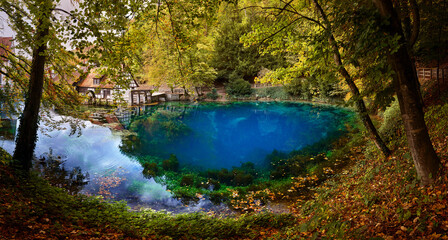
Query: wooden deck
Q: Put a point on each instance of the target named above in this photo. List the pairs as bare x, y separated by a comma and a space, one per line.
431, 74
140, 97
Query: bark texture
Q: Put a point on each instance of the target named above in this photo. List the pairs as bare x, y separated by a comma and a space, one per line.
405, 83
416, 22
360, 105
27, 132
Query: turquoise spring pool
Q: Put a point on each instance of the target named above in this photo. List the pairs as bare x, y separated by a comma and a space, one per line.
211, 135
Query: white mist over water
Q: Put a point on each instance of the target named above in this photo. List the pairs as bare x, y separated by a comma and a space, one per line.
96, 151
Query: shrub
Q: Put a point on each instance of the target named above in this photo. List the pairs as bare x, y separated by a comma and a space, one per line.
436, 120
238, 88
242, 179
171, 164
218, 197
187, 180
223, 175
214, 184
296, 87
213, 94
5, 157
248, 168
239, 176
150, 169
272, 92
392, 127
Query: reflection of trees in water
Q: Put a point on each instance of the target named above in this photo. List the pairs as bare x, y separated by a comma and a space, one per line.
50, 121
152, 131
52, 168
7, 129
130, 115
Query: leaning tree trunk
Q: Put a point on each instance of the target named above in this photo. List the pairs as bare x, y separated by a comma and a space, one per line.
405, 83
27, 132
360, 105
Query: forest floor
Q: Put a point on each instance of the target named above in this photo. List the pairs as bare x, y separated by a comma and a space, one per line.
371, 198
378, 198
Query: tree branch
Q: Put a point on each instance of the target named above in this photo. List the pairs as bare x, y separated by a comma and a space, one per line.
289, 11
157, 17
415, 23
179, 58
14, 55
277, 32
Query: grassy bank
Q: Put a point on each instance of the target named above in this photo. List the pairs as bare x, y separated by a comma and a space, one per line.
378, 198
35, 210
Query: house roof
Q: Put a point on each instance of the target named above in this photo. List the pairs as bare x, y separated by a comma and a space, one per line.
6, 43
145, 87
88, 80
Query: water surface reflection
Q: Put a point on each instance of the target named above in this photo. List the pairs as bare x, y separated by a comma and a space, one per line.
200, 135
95, 150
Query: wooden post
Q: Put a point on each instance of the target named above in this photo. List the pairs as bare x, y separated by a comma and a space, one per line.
138, 97
132, 98
443, 74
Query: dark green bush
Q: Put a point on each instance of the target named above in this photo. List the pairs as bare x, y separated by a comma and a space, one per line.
213, 94
248, 168
150, 169
223, 175
392, 127
171, 164
296, 87
272, 92
241, 179
5, 157
239, 176
218, 197
187, 180
238, 88
214, 184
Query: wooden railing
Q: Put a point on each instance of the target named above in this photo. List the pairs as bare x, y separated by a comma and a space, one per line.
431, 73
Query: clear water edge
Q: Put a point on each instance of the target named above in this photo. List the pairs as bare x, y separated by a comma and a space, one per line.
97, 151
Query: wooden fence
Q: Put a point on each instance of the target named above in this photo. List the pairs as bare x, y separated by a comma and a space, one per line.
431, 73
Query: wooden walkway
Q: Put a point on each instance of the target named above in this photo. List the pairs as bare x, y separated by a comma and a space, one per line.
431, 73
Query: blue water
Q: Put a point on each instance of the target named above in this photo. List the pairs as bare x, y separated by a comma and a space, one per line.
95, 150
210, 135
200, 135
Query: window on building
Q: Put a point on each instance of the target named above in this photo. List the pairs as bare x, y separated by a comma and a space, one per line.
106, 93
96, 81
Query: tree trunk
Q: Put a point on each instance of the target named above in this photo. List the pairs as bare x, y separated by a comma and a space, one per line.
415, 23
360, 105
405, 83
27, 132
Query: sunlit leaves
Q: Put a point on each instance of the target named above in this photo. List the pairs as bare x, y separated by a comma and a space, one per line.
90, 35
178, 49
